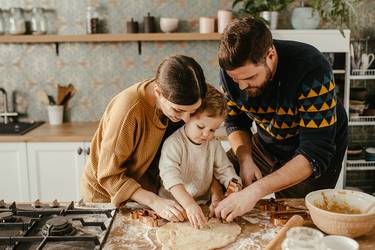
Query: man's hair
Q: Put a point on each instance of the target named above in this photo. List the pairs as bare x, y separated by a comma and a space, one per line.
245, 40
214, 104
181, 80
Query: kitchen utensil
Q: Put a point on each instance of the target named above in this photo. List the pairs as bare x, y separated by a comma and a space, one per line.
51, 100
64, 93
294, 221
42, 97
351, 225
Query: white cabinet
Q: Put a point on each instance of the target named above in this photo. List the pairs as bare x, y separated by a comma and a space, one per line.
55, 169
14, 181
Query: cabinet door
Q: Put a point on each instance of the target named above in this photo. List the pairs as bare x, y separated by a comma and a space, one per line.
14, 182
55, 170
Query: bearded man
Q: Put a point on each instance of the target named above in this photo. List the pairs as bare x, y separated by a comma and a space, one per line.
287, 89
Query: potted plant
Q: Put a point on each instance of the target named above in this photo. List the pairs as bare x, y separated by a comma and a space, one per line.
337, 12
266, 9
305, 17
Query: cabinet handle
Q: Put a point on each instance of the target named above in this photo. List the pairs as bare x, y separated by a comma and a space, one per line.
87, 151
79, 151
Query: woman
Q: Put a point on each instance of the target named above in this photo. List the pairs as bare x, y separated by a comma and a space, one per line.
125, 147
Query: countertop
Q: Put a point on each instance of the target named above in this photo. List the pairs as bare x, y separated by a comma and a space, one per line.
257, 232
66, 132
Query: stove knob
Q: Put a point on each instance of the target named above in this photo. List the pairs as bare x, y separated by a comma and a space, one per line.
79, 151
37, 203
55, 203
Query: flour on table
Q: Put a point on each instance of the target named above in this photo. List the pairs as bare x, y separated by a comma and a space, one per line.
183, 236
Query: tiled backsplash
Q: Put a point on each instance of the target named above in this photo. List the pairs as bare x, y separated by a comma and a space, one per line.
99, 70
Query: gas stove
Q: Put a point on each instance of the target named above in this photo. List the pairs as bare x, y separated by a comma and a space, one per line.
54, 225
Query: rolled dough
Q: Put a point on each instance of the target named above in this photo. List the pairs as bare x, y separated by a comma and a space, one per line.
183, 236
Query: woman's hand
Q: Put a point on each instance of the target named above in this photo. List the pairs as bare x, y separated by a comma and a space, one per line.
195, 215
168, 209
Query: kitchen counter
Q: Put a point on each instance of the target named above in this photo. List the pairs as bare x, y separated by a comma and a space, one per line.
127, 233
66, 132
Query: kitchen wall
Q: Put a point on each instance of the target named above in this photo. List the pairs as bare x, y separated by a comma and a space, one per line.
100, 70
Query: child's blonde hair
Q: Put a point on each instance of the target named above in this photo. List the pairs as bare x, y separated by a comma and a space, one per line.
214, 104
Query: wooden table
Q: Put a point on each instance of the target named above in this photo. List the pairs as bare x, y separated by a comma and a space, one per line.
257, 231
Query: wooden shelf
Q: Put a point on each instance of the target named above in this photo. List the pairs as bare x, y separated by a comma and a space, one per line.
109, 38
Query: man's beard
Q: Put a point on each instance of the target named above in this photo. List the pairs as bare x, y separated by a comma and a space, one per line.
257, 91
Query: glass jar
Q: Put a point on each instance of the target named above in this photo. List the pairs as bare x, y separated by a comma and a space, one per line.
17, 24
2, 23
303, 238
38, 22
92, 20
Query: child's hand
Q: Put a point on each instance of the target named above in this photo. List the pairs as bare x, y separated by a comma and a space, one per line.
195, 215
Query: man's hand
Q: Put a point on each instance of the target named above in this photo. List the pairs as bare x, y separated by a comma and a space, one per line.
195, 215
168, 209
236, 204
249, 171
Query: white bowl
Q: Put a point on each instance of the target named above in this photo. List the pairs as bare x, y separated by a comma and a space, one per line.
168, 25
351, 225
337, 242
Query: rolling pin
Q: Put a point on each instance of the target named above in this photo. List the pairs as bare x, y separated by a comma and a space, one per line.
294, 221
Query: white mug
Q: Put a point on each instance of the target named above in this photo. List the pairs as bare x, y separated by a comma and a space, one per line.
206, 25
366, 60
224, 17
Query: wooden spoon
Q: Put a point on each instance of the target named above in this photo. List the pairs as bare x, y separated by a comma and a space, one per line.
294, 221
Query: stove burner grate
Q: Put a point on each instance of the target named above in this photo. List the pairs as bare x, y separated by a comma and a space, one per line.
7, 217
58, 226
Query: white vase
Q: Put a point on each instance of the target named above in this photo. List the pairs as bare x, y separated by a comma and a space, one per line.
271, 17
305, 18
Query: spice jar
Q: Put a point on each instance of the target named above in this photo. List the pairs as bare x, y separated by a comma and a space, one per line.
92, 20
38, 22
17, 24
303, 238
149, 25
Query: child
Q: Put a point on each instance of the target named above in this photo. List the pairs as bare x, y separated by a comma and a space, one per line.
190, 159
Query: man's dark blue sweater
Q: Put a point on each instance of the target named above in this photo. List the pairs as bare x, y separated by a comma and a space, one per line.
298, 112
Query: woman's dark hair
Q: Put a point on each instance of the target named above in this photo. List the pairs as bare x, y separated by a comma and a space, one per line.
181, 80
244, 40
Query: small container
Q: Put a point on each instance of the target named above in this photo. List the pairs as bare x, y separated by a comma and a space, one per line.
17, 24
55, 114
337, 242
38, 22
303, 238
92, 20
132, 26
224, 17
206, 25
149, 25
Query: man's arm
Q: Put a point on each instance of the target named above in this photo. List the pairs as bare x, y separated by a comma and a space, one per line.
294, 171
241, 146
